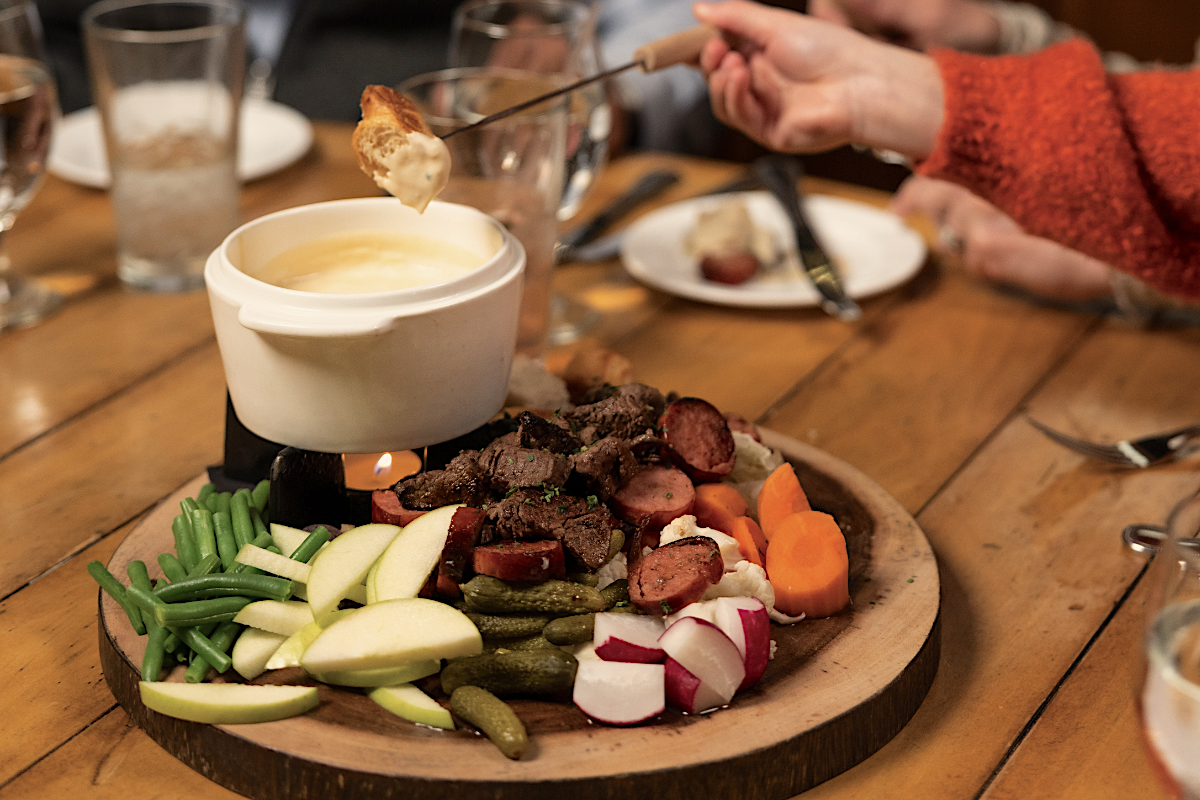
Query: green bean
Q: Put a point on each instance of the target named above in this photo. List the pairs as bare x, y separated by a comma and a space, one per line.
205, 491
118, 592
223, 638
203, 647
171, 567
226, 584
263, 540
311, 544
139, 576
239, 512
260, 495
206, 537
188, 504
185, 541
256, 519
206, 566
227, 546
223, 499
152, 661
198, 612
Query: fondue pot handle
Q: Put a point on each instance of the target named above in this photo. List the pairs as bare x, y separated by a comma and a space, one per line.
298, 322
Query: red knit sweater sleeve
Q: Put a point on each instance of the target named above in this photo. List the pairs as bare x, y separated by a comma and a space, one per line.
1107, 164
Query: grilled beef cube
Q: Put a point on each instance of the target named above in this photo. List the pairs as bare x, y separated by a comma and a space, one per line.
511, 467
631, 410
540, 434
462, 481
584, 528
606, 465
587, 537
437, 456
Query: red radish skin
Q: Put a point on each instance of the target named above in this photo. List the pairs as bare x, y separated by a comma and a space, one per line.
386, 508
687, 692
628, 637
528, 562
706, 652
619, 693
746, 622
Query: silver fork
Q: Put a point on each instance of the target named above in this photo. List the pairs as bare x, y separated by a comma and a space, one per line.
1137, 453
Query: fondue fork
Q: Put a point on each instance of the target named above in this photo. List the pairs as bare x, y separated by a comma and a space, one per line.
678, 48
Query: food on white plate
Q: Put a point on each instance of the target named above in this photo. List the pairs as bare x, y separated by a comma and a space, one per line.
408, 561
406, 700
628, 637
620, 693
253, 650
706, 652
227, 703
344, 563
391, 633
727, 244
394, 145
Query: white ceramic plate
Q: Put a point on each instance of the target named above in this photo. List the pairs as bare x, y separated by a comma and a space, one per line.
874, 250
272, 136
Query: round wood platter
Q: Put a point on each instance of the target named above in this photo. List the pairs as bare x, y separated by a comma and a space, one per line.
836, 691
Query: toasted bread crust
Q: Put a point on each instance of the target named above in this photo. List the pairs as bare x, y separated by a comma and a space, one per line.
387, 119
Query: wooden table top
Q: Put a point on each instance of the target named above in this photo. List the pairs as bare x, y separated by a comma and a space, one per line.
118, 400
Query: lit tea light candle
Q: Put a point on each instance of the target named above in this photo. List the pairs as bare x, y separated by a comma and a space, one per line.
367, 471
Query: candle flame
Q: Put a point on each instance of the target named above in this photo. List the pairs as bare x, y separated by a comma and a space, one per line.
384, 464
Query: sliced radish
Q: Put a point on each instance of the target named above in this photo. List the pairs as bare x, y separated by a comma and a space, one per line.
621, 636
620, 693
687, 692
745, 621
706, 652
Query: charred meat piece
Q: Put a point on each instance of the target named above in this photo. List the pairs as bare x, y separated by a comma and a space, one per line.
631, 410
510, 467
606, 466
536, 433
454, 565
437, 456
584, 528
675, 574
462, 481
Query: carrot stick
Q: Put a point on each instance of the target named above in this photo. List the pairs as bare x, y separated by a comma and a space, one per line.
749, 536
780, 497
808, 565
718, 505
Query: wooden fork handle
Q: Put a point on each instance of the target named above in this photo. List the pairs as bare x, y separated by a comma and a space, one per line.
678, 48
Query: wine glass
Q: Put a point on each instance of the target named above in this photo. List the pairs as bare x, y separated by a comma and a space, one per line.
556, 37
1170, 699
28, 110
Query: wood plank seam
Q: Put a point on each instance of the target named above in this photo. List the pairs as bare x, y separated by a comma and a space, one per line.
114, 707
1037, 714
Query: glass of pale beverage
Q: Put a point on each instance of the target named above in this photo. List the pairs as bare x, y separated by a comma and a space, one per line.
28, 111
1170, 698
511, 169
167, 77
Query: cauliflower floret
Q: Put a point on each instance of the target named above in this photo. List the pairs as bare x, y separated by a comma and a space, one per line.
749, 580
754, 462
685, 526
614, 570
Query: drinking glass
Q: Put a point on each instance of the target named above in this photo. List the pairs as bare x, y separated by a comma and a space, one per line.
1170, 699
511, 169
28, 111
555, 37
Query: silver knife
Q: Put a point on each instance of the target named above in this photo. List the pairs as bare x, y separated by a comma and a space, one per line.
781, 175
646, 188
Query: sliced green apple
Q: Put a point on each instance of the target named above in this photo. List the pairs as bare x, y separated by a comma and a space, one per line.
410, 558
386, 676
284, 617
406, 700
390, 633
253, 650
227, 703
287, 539
288, 654
344, 564
273, 563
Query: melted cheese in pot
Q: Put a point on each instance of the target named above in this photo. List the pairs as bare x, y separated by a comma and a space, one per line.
369, 261
416, 171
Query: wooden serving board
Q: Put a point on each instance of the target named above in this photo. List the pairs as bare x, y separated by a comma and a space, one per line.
837, 690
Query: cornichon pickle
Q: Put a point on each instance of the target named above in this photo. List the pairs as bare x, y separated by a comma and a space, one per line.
539, 642
490, 714
616, 542
586, 578
507, 672
575, 629
492, 626
490, 595
615, 592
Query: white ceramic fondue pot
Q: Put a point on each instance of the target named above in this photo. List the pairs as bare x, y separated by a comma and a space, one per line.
368, 372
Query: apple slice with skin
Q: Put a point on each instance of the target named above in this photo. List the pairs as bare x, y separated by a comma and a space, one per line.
289, 653
227, 703
409, 560
273, 563
706, 652
619, 693
621, 636
253, 649
406, 700
687, 692
284, 617
394, 632
386, 676
287, 538
344, 564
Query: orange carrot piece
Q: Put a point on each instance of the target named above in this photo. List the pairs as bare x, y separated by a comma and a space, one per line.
718, 505
780, 497
749, 536
808, 565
